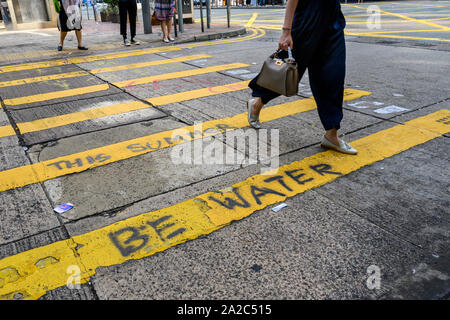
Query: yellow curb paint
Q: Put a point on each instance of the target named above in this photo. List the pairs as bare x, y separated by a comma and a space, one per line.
62, 62
251, 20
180, 74
86, 160
43, 78
62, 120
55, 95
30, 274
148, 64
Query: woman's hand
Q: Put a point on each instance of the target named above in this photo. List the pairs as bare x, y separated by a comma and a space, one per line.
285, 40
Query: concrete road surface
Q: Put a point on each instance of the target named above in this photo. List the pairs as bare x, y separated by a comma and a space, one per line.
174, 196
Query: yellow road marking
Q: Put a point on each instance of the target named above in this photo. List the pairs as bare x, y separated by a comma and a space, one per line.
199, 93
148, 64
30, 274
6, 131
394, 37
100, 70
66, 119
406, 18
255, 33
55, 95
43, 78
180, 74
121, 84
78, 162
62, 62
251, 20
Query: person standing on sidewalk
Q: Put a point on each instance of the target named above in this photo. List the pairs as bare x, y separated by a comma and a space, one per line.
69, 19
314, 30
128, 7
164, 11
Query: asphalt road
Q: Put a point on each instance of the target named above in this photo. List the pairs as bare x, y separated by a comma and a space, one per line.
170, 201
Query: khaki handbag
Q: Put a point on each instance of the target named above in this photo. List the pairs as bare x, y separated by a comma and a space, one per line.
280, 75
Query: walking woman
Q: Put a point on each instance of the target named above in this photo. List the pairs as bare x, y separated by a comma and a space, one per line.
69, 19
314, 30
165, 10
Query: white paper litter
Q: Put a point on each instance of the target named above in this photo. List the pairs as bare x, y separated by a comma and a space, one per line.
279, 207
63, 207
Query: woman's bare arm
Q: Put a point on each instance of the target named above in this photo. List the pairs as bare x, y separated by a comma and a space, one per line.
286, 38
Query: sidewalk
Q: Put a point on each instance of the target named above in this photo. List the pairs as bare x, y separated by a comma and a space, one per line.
98, 36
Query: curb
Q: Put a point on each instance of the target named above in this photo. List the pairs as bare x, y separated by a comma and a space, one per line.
213, 36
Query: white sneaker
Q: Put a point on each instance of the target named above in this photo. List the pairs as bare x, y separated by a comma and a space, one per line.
343, 146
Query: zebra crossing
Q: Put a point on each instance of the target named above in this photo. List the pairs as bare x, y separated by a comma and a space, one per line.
66, 102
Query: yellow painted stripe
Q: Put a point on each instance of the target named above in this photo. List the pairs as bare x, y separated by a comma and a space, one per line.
394, 36
199, 93
99, 70
78, 162
62, 62
62, 120
402, 16
121, 84
43, 78
6, 131
255, 33
251, 20
53, 122
32, 273
148, 64
55, 95
180, 74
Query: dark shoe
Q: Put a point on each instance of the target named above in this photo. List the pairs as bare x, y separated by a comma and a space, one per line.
82, 48
59, 48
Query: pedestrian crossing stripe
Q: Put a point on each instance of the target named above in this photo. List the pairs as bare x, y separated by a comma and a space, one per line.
95, 113
84, 59
55, 95
149, 63
30, 274
255, 33
75, 74
58, 76
120, 84
78, 162
179, 74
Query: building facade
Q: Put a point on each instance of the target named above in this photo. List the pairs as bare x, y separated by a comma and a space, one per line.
27, 14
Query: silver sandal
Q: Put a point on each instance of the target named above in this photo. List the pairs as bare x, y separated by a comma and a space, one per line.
343, 146
252, 119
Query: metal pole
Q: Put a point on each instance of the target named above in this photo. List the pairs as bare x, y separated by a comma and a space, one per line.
146, 16
180, 16
228, 12
201, 15
208, 14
